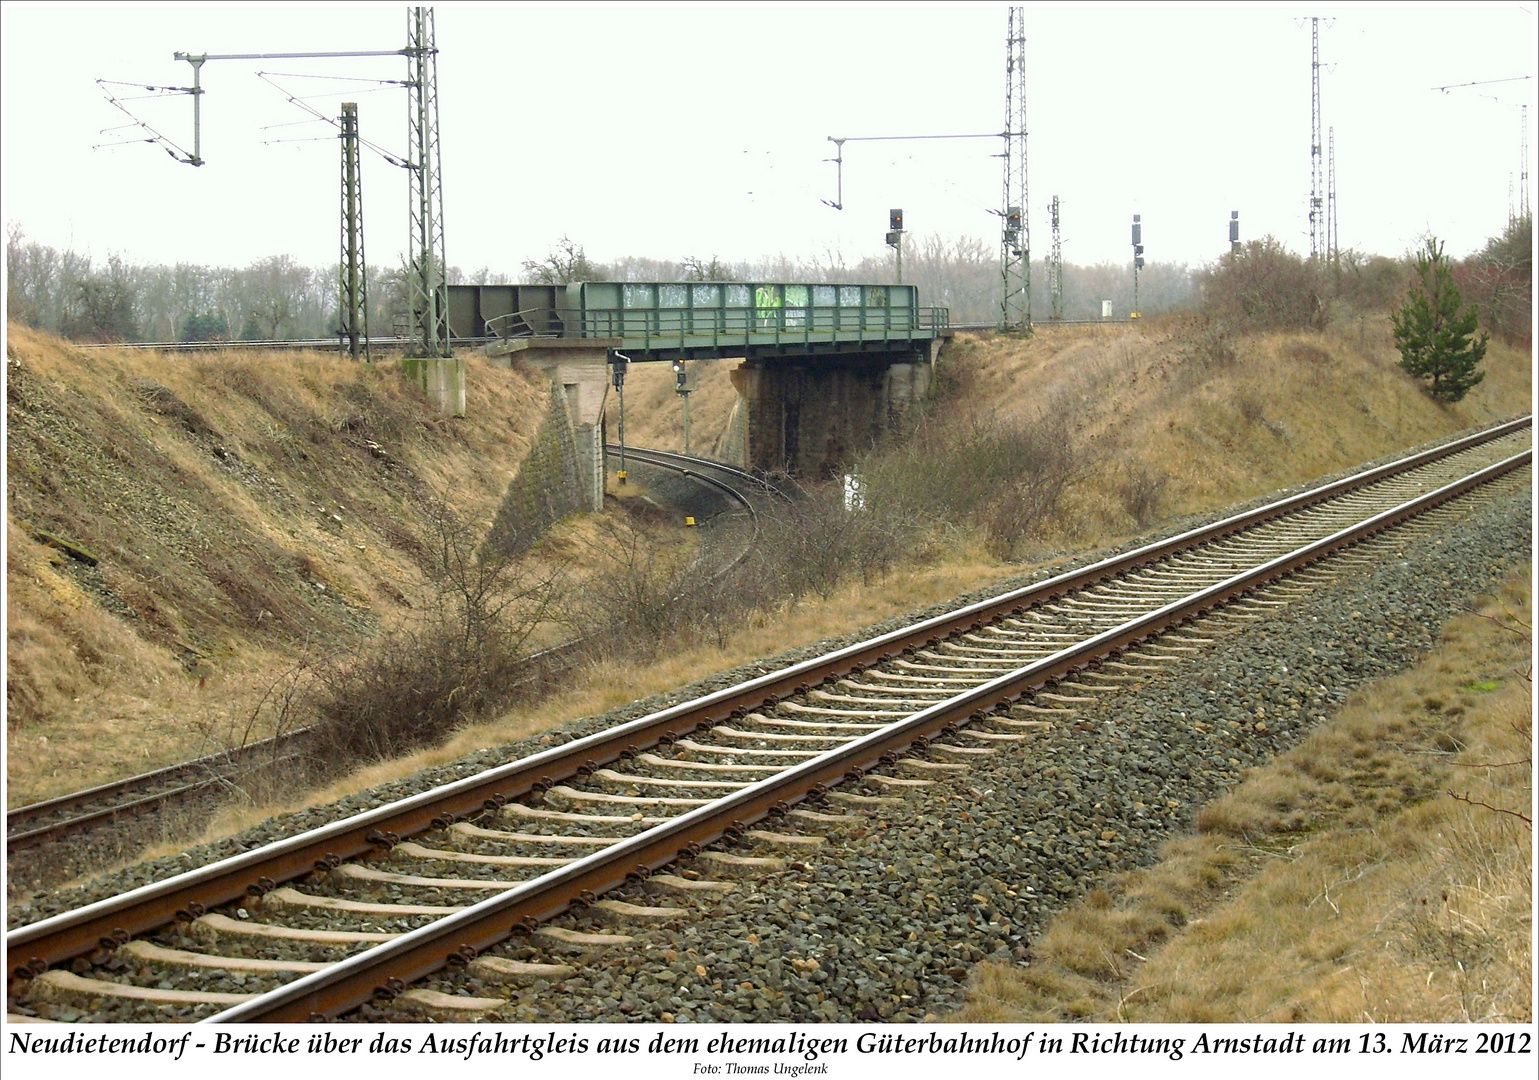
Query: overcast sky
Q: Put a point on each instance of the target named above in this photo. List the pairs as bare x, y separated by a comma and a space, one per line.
702, 129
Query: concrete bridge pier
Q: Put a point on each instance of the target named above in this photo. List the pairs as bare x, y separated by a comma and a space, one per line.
810, 416
442, 379
579, 371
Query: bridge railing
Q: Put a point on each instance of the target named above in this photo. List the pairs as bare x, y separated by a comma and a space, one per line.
661, 328
527, 323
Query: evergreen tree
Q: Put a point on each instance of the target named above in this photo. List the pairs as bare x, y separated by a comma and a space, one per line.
1435, 332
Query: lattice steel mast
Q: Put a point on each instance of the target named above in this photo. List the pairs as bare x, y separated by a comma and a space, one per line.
1332, 237
1316, 145
1523, 208
429, 306
1055, 267
353, 287
1015, 248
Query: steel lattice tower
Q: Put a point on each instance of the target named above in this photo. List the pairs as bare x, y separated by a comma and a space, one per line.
1316, 144
429, 307
1523, 208
1332, 238
1055, 267
1015, 248
353, 304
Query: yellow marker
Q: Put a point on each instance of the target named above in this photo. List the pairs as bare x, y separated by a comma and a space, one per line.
689, 522
621, 475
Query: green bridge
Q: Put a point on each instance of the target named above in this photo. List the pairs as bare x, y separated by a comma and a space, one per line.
695, 320
824, 369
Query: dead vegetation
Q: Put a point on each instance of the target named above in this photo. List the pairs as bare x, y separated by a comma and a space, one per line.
241, 506
1383, 867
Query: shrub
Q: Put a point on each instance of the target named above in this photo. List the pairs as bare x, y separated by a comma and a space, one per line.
462, 657
1264, 287
1004, 477
1499, 282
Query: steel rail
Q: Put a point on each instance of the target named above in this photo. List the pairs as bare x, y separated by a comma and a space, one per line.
670, 459
317, 344
17, 835
459, 937
59, 938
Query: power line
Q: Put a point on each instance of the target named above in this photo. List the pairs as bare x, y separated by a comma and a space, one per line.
838, 159
1482, 82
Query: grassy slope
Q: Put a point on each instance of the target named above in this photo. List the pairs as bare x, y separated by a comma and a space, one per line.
1212, 422
1321, 403
1207, 421
241, 505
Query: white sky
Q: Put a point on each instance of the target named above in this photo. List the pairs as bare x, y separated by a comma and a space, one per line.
702, 129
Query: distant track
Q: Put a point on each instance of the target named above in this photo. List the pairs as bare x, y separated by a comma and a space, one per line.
388, 344
723, 477
153, 792
51, 819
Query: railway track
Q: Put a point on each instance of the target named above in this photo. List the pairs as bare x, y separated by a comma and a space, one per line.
206, 778
443, 878
734, 482
383, 344
146, 793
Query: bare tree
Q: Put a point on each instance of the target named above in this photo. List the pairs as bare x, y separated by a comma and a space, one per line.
564, 263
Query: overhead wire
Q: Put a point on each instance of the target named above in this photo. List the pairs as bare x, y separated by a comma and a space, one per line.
156, 137
394, 159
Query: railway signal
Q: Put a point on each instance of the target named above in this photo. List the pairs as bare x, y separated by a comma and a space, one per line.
620, 363
1138, 260
895, 237
682, 388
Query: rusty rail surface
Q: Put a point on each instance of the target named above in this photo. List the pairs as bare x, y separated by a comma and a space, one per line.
32, 949
211, 770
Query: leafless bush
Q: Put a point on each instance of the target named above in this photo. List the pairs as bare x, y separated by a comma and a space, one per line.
464, 654
1209, 344
634, 599
1264, 287
1004, 477
1142, 492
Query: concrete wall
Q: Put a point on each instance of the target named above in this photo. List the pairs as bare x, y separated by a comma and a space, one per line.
810, 417
546, 488
579, 371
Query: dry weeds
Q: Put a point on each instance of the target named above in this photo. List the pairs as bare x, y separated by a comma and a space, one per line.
618, 681
240, 505
1382, 868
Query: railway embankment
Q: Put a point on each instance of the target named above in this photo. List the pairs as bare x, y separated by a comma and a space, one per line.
236, 508
877, 911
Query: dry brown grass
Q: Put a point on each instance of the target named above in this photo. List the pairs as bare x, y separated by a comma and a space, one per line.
218, 565
1211, 421
1207, 419
241, 505
1380, 867
615, 683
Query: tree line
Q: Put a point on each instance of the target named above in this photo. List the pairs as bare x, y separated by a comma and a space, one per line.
1261, 286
